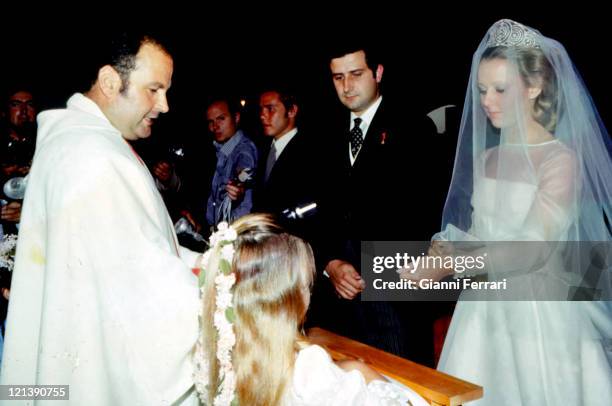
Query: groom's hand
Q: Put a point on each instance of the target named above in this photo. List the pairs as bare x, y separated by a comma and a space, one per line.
346, 279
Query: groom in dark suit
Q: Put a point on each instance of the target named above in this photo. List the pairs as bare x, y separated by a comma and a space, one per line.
368, 198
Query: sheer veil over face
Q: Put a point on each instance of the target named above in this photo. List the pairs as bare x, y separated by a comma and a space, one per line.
533, 160
531, 192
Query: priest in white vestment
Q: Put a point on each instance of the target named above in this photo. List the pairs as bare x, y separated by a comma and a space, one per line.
103, 298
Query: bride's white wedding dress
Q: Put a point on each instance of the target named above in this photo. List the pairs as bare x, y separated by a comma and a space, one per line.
529, 352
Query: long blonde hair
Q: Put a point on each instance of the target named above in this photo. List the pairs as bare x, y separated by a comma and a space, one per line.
274, 274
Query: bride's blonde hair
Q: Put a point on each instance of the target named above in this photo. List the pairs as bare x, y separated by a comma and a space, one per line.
535, 71
274, 274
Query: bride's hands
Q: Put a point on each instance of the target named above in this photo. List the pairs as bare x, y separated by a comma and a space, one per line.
423, 271
440, 249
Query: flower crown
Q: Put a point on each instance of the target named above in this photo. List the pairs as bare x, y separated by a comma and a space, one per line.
221, 246
512, 34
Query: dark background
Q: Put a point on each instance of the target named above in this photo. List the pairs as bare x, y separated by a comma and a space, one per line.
237, 50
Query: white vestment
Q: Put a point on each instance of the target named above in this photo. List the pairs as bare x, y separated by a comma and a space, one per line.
102, 296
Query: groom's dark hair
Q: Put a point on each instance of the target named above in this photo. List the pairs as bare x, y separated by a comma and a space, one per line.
372, 55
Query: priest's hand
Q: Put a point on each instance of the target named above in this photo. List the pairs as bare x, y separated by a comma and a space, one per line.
345, 278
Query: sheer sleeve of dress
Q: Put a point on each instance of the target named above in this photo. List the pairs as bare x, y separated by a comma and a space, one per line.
552, 211
518, 221
537, 207
317, 380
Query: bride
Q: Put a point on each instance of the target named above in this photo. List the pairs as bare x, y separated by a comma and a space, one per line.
531, 192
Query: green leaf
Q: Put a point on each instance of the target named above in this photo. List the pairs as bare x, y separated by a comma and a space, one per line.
202, 277
229, 314
225, 266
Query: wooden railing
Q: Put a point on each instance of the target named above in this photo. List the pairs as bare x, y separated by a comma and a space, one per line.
436, 387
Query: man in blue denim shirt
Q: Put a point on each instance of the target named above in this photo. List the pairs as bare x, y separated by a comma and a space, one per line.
229, 198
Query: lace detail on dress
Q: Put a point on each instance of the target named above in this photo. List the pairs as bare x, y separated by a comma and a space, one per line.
390, 394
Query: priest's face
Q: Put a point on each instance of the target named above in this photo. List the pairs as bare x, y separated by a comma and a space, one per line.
357, 86
139, 105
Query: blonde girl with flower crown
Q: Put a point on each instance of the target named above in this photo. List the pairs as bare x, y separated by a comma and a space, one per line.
255, 283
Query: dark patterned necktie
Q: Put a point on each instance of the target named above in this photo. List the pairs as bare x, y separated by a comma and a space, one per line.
356, 137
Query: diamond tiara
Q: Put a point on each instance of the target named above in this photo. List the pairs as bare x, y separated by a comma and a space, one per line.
511, 34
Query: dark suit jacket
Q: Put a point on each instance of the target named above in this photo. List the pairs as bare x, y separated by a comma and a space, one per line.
385, 194
292, 182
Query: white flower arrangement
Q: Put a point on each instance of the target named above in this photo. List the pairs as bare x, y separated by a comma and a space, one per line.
7, 251
224, 233
223, 319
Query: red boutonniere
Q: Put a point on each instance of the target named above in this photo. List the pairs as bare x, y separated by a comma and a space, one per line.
383, 138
